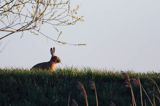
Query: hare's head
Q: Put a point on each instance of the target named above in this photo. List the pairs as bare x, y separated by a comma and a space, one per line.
54, 59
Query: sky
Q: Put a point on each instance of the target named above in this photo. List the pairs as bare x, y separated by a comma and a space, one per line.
120, 35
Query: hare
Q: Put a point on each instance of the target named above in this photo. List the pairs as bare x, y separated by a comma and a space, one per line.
50, 65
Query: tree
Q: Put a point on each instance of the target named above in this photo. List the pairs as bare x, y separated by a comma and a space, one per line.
19, 16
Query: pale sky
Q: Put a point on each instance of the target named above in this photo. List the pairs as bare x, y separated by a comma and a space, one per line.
120, 35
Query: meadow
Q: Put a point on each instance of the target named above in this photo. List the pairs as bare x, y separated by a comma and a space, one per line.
78, 87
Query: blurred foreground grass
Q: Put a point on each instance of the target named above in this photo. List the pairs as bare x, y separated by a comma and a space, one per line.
20, 87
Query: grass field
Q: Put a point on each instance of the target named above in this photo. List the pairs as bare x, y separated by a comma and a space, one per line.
73, 87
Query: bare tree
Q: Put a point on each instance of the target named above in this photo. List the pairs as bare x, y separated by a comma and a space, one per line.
30, 15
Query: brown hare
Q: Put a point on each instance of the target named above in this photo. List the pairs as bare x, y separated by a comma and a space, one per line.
50, 65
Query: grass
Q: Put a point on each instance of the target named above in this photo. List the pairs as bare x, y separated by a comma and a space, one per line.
73, 87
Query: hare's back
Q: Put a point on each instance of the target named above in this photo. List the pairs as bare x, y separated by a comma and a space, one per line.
43, 66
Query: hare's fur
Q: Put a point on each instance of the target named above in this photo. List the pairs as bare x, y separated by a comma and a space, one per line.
50, 65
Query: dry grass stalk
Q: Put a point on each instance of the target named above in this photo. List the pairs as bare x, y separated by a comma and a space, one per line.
69, 98
141, 94
154, 100
158, 98
158, 89
74, 103
83, 92
147, 95
156, 85
137, 83
93, 86
128, 84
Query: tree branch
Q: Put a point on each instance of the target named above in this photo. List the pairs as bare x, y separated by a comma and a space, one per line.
27, 15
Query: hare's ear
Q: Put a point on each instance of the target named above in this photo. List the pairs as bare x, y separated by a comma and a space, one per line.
52, 50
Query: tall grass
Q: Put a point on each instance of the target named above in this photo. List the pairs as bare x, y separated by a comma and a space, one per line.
20, 87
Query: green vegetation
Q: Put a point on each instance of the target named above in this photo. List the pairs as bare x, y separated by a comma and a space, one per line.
70, 86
